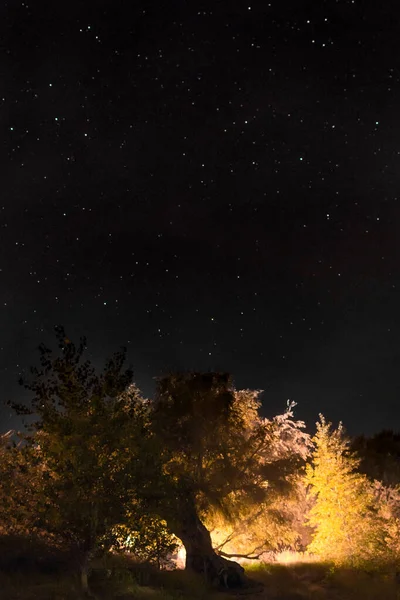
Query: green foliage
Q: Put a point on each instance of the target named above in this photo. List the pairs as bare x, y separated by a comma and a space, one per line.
226, 464
19, 477
147, 538
216, 449
194, 419
276, 522
87, 441
110, 463
261, 530
100, 467
347, 526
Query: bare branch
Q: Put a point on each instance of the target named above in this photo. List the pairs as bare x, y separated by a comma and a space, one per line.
248, 556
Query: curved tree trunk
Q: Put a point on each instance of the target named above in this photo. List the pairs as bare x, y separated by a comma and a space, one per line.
201, 557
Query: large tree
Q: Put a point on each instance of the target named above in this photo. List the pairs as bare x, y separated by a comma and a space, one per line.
217, 454
87, 433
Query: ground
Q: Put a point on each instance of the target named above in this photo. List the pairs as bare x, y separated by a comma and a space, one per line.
122, 579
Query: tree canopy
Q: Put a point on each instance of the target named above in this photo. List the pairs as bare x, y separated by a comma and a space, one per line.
348, 528
86, 435
102, 467
110, 459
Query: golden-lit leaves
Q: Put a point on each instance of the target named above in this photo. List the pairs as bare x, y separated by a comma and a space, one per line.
347, 527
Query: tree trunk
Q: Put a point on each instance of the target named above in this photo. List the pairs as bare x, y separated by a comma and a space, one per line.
200, 555
84, 580
84, 567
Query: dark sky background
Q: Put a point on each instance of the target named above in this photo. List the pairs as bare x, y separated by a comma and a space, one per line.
215, 185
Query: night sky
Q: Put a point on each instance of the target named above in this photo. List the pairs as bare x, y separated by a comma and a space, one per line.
215, 185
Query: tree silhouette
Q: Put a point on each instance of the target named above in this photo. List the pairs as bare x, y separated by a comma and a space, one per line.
86, 434
217, 454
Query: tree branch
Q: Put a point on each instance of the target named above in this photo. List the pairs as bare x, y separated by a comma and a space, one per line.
248, 556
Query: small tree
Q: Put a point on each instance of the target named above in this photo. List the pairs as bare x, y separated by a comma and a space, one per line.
87, 436
347, 527
147, 538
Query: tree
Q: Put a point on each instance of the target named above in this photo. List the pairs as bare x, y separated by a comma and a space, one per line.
347, 525
380, 456
146, 538
217, 454
20, 475
107, 454
264, 529
87, 435
387, 499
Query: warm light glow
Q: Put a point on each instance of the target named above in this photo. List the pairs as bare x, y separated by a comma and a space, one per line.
289, 557
181, 558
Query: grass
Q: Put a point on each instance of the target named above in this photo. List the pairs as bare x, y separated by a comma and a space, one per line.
306, 580
177, 585
32, 572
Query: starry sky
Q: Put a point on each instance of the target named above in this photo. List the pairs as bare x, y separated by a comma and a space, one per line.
214, 185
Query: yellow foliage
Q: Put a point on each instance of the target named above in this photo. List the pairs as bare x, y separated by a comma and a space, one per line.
261, 528
347, 526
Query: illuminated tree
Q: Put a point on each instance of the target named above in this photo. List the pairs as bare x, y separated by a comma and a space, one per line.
387, 499
218, 456
266, 528
88, 436
347, 526
19, 477
106, 454
146, 537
